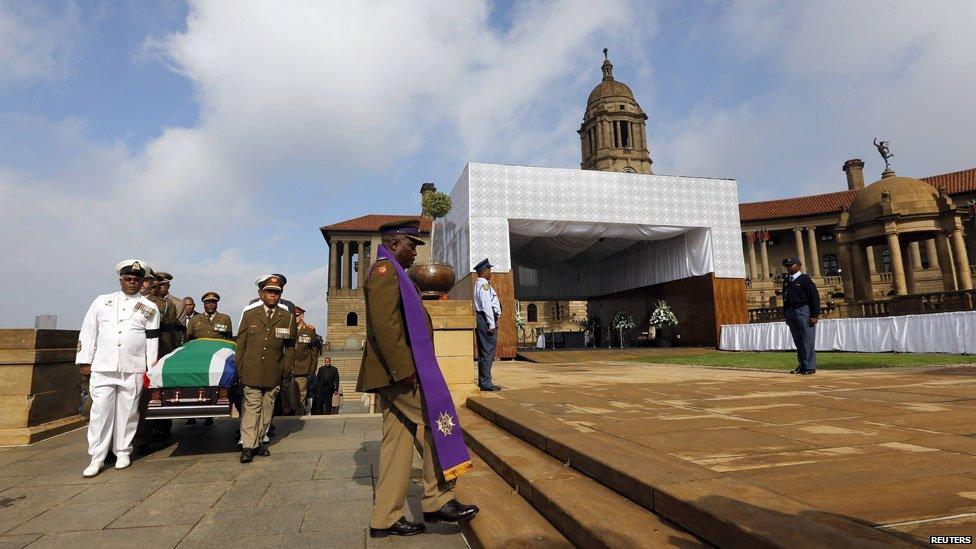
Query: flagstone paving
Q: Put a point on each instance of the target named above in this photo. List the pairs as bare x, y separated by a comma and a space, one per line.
315, 490
893, 448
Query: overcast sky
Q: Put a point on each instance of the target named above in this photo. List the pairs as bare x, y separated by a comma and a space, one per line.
212, 139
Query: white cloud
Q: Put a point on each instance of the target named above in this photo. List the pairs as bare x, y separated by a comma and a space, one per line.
843, 73
35, 43
328, 90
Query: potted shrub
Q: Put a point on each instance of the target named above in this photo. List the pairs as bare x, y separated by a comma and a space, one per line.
434, 279
664, 321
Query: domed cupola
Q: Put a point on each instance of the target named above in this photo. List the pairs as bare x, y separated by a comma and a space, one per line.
613, 136
893, 195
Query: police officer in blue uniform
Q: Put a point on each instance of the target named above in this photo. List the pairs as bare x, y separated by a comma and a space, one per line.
487, 309
801, 310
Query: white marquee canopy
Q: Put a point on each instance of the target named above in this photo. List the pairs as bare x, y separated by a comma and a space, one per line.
581, 234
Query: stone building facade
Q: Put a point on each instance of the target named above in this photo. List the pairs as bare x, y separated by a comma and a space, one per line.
549, 316
613, 135
352, 244
898, 258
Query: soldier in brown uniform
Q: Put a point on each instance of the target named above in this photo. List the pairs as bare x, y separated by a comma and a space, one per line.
306, 360
175, 303
265, 355
168, 322
210, 324
388, 369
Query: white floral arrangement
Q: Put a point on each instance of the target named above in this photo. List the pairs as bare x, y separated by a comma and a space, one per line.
623, 321
519, 319
663, 315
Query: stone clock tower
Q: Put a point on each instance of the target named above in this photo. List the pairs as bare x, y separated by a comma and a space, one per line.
612, 135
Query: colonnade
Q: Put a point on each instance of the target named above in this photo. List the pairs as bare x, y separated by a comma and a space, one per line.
946, 251
341, 261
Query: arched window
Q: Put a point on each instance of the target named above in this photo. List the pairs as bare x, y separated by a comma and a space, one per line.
886, 260
352, 319
533, 312
830, 265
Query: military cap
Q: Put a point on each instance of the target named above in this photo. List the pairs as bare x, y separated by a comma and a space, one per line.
150, 275
210, 296
299, 310
409, 228
270, 282
163, 277
484, 264
791, 261
132, 267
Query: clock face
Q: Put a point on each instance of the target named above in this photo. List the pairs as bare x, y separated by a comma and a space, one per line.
628, 169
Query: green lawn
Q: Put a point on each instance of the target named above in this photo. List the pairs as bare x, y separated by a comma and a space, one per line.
779, 360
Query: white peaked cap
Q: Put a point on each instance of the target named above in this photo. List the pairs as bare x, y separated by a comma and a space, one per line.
131, 263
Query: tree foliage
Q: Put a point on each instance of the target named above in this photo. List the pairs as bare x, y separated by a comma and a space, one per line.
436, 204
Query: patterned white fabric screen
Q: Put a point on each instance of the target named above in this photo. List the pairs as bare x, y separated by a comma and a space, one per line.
642, 217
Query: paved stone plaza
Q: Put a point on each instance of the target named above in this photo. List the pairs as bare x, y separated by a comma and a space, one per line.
315, 490
894, 448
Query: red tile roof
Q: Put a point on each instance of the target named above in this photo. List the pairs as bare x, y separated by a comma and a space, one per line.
373, 222
817, 204
955, 182
791, 207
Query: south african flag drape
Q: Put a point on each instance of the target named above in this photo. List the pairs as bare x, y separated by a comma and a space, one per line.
197, 363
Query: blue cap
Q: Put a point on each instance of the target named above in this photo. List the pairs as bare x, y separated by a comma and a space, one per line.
482, 265
791, 261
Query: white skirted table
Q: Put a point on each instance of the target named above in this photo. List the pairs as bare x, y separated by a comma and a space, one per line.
929, 333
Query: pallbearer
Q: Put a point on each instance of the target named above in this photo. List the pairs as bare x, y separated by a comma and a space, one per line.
306, 359
265, 355
119, 338
399, 364
210, 324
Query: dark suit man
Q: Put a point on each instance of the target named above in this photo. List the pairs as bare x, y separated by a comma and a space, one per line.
801, 310
325, 384
388, 369
265, 355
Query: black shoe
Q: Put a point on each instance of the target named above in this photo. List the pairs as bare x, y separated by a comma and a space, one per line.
399, 528
808, 372
490, 389
453, 511
796, 371
191, 421
263, 451
247, 455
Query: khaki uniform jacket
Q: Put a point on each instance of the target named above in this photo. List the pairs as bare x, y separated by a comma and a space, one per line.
387, 357
265, 348
202, 326
179, 329
306, 357
168, 326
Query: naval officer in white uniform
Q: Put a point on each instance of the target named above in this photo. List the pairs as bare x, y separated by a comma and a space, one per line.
487, 309
119, 339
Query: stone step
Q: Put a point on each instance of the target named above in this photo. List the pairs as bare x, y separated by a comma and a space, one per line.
493, 527
587, 513
721, 510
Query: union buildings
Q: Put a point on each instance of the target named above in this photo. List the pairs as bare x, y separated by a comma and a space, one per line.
899, 245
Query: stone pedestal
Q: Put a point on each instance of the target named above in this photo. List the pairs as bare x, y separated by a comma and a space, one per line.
454, 326
40, 387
